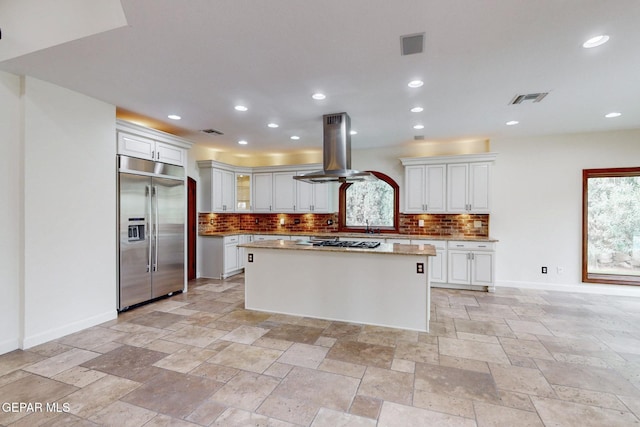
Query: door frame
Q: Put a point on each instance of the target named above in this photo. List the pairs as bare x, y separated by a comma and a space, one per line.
192, 228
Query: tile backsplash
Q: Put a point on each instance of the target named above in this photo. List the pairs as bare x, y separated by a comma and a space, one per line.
440, 225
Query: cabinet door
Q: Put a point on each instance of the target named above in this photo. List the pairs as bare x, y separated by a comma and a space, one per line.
217, 190
415, 180
243, 192
321, 194
228, 190
436, 184
136, 146
284, 192
167, 153
304, 195
262, 192
438, 267
482, 271
459, 267
230, 257
457, 180
479, 176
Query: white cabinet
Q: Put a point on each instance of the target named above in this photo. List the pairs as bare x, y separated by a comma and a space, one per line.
218, 188
448, 184
468, 187
242, 252
425, 188
284, 192
231, 262
150, 149
221, 257
437, 263
471, 263
243, 192
263, 192
313, 197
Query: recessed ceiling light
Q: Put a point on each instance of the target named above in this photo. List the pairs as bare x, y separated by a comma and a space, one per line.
174, 117
612, 115
240, 108
273, 125
353, 132
295, 137
415, 83
417, 110
596, 41
418, 127
242, 142
512, 122
318, 96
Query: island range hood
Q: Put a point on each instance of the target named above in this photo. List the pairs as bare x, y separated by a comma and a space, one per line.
336, 154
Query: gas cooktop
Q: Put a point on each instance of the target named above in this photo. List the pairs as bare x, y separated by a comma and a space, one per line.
347, 244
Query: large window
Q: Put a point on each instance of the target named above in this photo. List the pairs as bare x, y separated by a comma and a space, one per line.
369, 205
611, 226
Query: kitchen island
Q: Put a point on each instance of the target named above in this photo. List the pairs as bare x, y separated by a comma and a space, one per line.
385, 286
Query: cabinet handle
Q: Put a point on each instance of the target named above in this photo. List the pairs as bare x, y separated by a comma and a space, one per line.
482, 246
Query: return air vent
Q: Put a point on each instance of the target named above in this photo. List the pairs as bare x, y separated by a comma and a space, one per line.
530, 97
213, 131
411, 44
418, 137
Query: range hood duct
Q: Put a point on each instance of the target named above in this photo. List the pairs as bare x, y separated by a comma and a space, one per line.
336, 153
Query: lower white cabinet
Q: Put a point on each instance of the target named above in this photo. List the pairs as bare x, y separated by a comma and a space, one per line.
438, 263
221, 256
471, 264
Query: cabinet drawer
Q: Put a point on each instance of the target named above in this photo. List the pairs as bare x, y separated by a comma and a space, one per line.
475, 246
231, 239
439, 244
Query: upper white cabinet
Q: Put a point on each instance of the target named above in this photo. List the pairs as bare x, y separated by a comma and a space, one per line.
263, 192
284, 192
144, 143
243, 192
425, 188
468, 187
224, 189
451, 184
278, 192
313, 197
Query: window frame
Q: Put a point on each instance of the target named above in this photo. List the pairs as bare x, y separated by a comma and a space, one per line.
608, 279
342, 208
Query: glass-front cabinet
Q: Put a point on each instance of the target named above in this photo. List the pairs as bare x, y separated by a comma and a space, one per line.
243, 192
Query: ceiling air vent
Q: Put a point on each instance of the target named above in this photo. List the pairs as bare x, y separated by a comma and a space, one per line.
418, 137
213, 131
530, 97
411, 43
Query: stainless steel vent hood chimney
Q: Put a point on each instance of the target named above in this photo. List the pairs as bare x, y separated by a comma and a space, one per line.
336, 154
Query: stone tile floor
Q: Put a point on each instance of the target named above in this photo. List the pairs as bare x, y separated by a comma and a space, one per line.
512, 358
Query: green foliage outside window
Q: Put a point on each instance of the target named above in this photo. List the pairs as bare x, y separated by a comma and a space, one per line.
613, 225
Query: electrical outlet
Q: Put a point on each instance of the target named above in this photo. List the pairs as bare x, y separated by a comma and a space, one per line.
477, 224
421, 223
329, 222
544, 270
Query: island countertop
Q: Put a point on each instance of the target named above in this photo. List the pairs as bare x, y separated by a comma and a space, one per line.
384, 248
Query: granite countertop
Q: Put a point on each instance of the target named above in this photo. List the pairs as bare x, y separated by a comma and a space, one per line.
352, 235
384, 248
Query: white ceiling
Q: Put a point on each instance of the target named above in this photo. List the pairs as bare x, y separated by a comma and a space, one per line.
199, 58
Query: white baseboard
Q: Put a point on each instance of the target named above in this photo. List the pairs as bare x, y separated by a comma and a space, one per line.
52, 334
587, 288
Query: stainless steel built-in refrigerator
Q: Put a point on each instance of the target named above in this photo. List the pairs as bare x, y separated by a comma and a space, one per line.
151, 230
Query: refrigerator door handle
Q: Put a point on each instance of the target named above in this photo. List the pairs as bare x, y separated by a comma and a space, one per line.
155, 229
149, 206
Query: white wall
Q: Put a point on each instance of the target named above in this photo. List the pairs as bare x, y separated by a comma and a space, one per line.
58, 196
10, 211
537, 205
